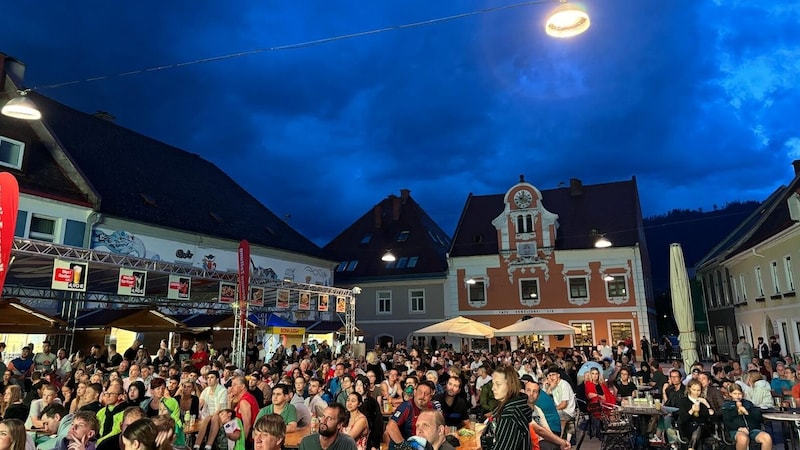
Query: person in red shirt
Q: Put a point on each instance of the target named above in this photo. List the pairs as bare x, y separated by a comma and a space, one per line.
243, 403
200, 356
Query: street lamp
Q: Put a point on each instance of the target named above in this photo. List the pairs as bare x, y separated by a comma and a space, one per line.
21, 108
567, 20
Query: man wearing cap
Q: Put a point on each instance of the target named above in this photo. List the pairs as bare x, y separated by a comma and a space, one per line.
696, 369
563, 395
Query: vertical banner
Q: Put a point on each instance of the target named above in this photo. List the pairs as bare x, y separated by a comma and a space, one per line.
132, 282
304, 304
322, 302
227, 292
179, 287
244, 275
283, 298
69, 276
9, 207
341, 304
257, 296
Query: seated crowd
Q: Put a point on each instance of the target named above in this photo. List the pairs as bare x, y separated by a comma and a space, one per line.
105, 400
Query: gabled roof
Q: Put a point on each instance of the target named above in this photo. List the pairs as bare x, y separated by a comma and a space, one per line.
769, 219
41, 175
144, 180
609, 208
134, 319
381, 229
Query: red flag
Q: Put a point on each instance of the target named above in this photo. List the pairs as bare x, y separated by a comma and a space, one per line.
9, 207
244, 272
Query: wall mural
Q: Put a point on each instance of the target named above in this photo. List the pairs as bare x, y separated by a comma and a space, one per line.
122, 242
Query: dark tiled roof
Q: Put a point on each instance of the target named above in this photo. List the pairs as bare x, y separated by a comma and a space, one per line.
144, 180
41, 175
426, 241
610, 208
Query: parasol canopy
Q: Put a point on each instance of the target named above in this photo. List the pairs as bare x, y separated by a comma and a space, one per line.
682, 305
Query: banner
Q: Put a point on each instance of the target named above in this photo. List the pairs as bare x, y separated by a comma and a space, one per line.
341, 304
304, 304
9, 207
244, 274
179, 287
322, 302
227, 292
132, 282
256, 296
283, 299
69, 276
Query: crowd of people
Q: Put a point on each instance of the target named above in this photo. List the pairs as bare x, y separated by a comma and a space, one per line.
194, 397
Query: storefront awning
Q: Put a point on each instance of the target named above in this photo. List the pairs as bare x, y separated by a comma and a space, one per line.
16, 317
137, 320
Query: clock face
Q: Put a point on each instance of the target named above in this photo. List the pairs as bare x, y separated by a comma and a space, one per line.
523, 199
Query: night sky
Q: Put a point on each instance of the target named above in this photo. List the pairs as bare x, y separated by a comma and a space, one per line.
697, 99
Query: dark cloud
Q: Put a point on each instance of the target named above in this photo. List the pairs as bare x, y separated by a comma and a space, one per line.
692, 98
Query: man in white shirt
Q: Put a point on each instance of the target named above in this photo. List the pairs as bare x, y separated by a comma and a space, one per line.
563, 396
606, 351
43, 362
314, 401
483, 377
213, 399
134, 374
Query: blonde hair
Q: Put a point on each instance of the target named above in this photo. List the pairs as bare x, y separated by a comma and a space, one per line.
372, 358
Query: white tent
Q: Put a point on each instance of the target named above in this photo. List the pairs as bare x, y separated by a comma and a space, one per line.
537, 326
458, 327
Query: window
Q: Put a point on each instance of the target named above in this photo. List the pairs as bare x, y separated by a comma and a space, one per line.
742, 287
42, 228
525, 223
587, 333
11, 152
787, 268
402, 262
367, 237
416, 300
577, 288
621, 331
529, 292
412, 262
759, 283
403, 236
773, 271
736, 297
723, 298
616, 287
384, 302
477, 294
351, 266
342, 265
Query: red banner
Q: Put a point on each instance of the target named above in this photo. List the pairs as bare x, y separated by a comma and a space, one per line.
9, 207
244, 273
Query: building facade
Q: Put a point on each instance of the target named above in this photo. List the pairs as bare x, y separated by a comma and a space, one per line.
531, 252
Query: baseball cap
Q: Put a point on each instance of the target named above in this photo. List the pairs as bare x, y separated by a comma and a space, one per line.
526, 378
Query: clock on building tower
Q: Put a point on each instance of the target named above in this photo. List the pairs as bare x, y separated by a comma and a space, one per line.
523, 199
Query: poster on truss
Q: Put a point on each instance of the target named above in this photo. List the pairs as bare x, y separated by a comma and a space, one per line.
341, 304
256, 296
179, 287
69, 276
304, 304
227, 292
283, 299
322, 302
132, 282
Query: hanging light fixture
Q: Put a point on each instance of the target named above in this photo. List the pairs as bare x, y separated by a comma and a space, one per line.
567, 20
388, 257
602, 242
21, 108
608, 277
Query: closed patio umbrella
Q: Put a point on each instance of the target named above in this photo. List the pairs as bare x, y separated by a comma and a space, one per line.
682, 304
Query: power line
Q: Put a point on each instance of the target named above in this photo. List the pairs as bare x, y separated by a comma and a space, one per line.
298, 45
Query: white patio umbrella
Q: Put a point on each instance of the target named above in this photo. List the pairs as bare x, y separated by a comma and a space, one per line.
458, 327
536, 326
682, 304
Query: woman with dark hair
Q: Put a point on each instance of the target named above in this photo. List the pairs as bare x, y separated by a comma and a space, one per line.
372, 409
136, 393
508, 426
347, 389
12, 435
357, 426
140, 435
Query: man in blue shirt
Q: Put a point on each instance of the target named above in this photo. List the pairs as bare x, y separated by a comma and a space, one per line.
545, 402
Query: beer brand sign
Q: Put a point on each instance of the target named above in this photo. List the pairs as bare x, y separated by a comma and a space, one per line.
69, 275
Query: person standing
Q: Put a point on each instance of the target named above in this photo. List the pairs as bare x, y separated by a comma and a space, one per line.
762, 348
645, 344
774, 350
509, 422
745, 352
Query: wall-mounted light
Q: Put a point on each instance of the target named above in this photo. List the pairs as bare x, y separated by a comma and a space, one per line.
471, 281
600, 240
21, 108
388, 257
608, 277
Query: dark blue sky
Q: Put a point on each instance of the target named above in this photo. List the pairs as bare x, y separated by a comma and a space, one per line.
702, 113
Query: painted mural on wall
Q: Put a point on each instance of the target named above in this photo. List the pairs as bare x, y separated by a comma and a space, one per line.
122, 242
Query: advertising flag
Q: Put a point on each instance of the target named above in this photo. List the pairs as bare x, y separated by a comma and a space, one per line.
9, 207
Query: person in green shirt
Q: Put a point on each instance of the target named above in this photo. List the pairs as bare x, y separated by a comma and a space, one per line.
281, 406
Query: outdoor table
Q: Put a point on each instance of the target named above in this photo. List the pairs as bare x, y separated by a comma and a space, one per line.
292, 440
641, 411
791, 426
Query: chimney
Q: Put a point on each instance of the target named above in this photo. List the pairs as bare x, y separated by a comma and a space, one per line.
575, 187
104, 115
12, 67
796, 164
395, 207
378, 215
404, 193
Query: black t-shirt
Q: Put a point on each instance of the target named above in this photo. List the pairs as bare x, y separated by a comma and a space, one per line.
625, 390
130, 354
455, 414
115, 360
182, 355
259, 395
